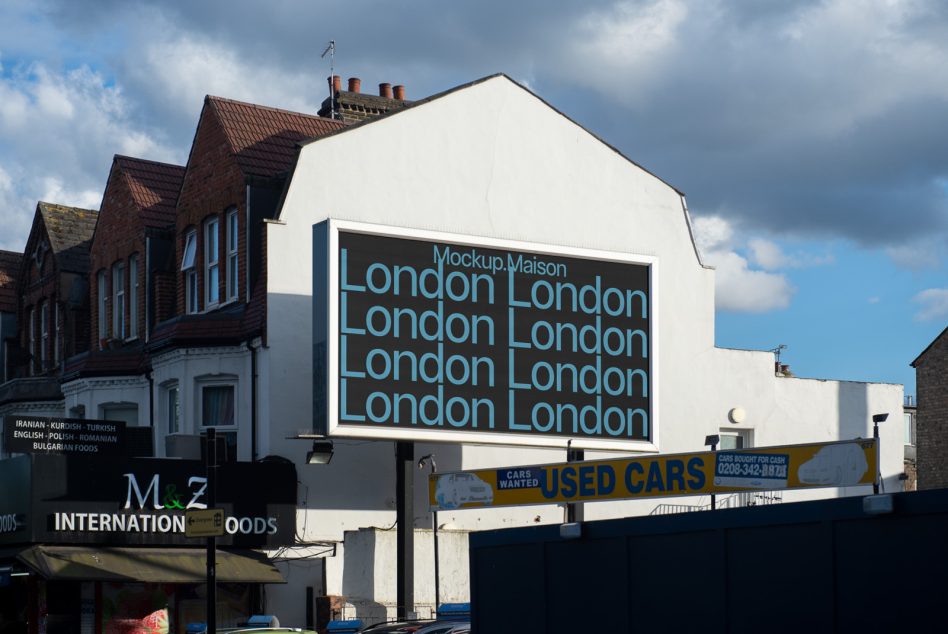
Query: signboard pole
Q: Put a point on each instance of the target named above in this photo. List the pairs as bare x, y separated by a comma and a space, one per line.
211, 462
574, 510
405, 534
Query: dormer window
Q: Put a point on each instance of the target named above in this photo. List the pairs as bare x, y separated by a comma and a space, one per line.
190, 274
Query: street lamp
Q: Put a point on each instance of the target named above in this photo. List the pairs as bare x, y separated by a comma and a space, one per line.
876, 419
434, 522
712, 441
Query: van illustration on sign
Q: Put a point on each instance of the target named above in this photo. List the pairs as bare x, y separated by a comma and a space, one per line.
455, 489
840, 465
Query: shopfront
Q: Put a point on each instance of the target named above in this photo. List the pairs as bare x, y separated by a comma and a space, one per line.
97, 545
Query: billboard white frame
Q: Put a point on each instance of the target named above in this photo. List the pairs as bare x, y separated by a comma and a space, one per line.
326, 311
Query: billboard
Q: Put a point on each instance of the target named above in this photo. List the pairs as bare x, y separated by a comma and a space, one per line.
439, 337
845, 463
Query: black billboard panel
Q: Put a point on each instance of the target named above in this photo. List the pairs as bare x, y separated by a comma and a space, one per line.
441, 340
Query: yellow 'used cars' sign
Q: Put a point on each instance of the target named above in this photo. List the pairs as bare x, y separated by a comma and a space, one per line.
844, 463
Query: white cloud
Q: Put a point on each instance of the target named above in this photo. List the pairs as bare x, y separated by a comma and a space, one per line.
934, 303
712, 233
627, 44
918, 255
182, 70
738, 287
874, 299
58, 133
770, 256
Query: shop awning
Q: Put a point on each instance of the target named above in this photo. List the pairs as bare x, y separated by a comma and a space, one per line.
154, 565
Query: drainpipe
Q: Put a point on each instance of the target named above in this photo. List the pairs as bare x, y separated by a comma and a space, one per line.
151, 408
253, 400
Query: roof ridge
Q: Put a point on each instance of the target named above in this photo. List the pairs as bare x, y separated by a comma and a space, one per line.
47, 204
216, 99
142, 160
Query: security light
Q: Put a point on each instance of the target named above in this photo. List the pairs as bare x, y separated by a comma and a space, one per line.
879, 418
321, 452
712, 441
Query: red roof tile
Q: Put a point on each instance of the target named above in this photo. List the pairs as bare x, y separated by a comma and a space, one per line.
264, 139
9, 267
154, 187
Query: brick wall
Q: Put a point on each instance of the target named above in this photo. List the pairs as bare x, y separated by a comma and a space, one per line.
37, 285
119, 234
931, 373
212, 185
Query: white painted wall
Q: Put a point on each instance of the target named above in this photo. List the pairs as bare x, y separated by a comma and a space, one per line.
97, 393
191, 368
492, 160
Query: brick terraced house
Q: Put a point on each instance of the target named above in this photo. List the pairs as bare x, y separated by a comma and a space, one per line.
52, 310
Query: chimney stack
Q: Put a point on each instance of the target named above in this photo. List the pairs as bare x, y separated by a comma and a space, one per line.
400, 92
385, 90
354, 84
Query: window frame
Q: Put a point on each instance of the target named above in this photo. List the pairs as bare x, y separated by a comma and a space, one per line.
132, 327
118, 300
189, 269
212, 263
172, 415
102, 305
32, 330
44, 336
57, 330
231, 432
233, 263
745, 436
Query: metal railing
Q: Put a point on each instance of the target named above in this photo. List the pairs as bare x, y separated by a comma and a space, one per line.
736, 500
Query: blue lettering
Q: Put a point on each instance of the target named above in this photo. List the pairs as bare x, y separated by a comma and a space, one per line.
633, 487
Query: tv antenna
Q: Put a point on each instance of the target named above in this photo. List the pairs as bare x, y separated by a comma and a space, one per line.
778, 350
331, 49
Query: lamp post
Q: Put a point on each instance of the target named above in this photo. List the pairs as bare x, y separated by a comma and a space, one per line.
876, 419
210, 461
712, 441
434, 523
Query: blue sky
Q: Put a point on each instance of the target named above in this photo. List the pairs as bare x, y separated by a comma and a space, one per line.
811, 137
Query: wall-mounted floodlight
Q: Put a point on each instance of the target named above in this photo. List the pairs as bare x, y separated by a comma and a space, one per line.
321, 452
879, 418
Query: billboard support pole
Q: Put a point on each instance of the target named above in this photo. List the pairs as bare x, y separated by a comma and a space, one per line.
574, 510
405, 524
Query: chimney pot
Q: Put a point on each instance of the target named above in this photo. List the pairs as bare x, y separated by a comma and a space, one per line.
354, 84
385, 90
336, 81
400, 92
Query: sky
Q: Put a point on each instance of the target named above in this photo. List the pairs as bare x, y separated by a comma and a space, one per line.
810, 137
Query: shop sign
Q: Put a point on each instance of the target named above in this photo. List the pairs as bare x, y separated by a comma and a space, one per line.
426, 336
11, 522
145, 501
836, 464
41, 434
